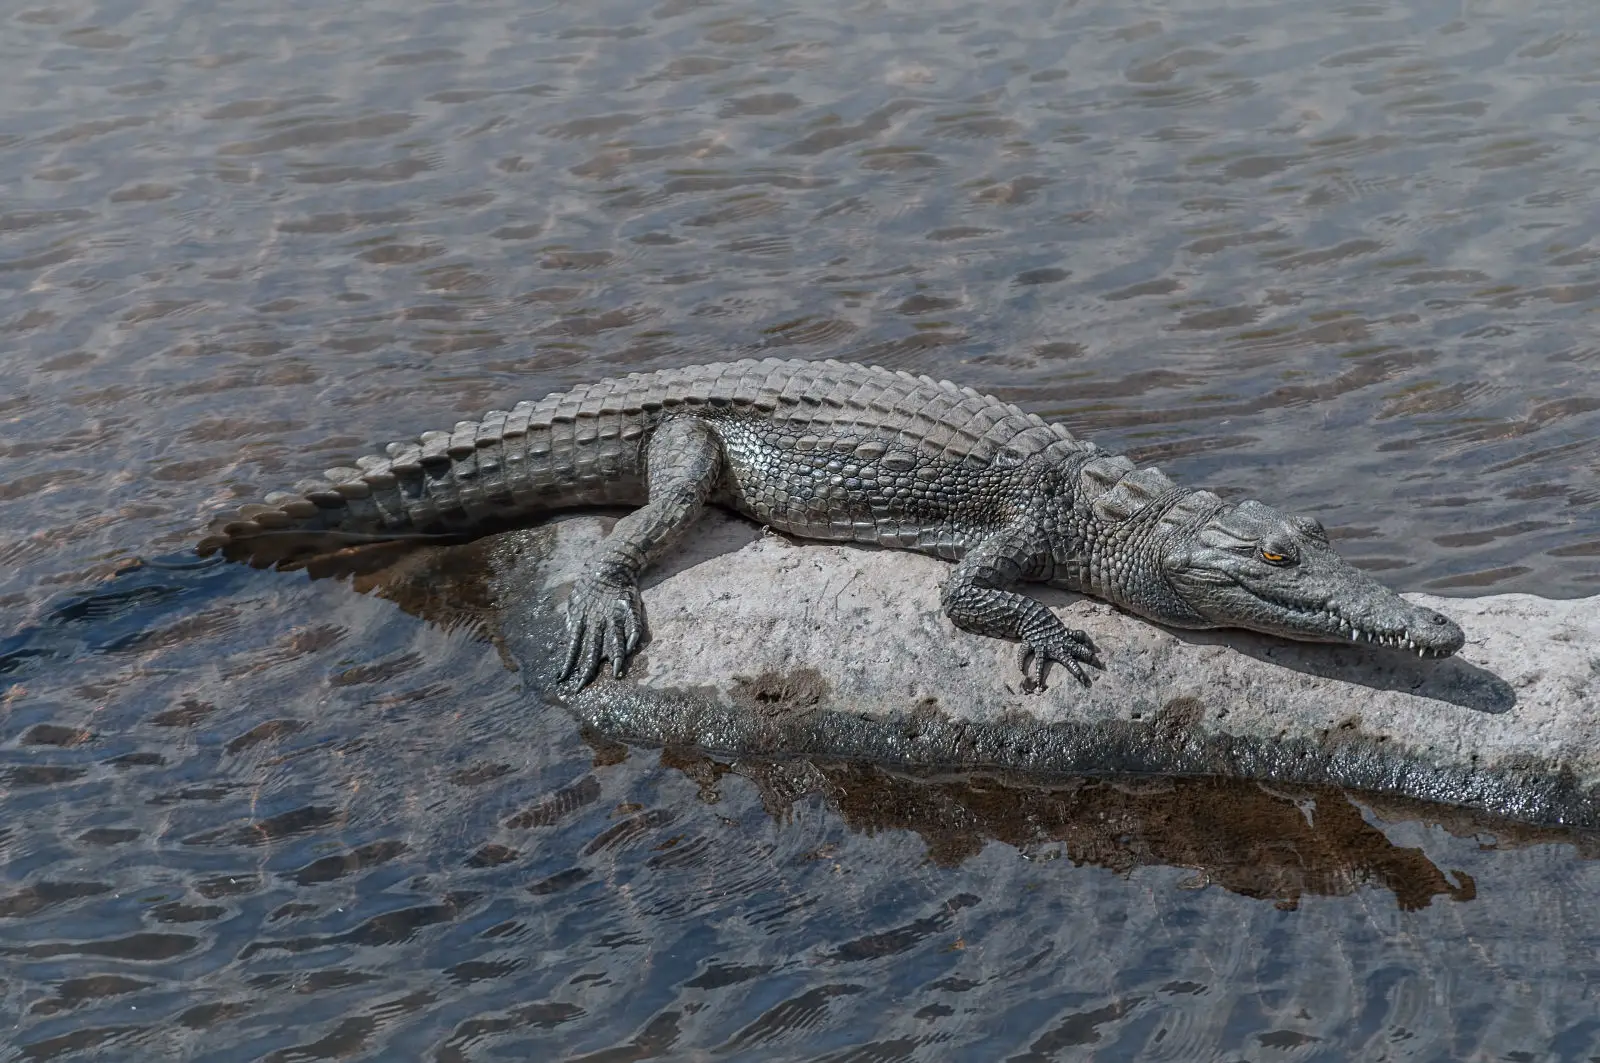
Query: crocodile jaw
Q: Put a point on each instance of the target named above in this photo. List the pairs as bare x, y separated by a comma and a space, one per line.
1218, 571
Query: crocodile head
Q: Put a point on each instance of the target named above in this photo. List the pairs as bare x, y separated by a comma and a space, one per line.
1249, 566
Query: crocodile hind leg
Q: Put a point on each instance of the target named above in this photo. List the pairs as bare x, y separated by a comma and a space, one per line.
976, 600
605, 617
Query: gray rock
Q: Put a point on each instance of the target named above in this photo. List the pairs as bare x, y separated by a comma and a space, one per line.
767, 647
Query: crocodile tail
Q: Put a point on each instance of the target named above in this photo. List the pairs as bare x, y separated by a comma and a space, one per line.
444, 486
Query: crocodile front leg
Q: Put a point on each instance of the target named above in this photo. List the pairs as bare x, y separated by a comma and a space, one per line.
605, 617
976, 600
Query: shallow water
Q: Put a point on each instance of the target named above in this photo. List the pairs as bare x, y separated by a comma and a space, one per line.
1344, 258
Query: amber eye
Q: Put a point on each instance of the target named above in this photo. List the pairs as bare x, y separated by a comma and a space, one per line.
1272, 558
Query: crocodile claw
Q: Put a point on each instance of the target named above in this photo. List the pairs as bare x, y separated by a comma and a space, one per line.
605, 620
1071, 648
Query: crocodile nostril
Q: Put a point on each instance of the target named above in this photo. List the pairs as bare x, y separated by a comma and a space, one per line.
1438, 618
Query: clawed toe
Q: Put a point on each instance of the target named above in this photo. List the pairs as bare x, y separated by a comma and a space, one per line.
1071, 649
605, 621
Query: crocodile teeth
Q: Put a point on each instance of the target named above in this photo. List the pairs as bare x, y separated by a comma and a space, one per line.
1422, 653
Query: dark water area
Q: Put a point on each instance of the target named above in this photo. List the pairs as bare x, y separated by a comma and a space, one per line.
1345, 258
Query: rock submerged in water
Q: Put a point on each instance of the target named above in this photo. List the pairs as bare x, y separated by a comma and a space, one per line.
762, 646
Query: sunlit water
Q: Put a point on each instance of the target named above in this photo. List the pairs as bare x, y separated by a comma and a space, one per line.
1344, 258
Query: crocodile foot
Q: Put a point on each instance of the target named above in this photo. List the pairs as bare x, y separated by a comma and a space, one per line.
1054, 641
605, 619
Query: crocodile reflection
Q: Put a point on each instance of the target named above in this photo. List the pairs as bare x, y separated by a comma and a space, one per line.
1269, 845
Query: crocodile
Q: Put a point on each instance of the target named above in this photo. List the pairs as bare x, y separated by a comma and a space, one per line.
839, 451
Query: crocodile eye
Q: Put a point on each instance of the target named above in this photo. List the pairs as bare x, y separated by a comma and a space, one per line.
1275, 559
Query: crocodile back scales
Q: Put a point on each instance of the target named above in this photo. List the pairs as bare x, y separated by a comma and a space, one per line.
827, 450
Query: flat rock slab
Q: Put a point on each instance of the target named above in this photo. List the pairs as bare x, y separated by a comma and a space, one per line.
763, 646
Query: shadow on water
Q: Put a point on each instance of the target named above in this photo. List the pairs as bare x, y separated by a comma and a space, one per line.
120, 614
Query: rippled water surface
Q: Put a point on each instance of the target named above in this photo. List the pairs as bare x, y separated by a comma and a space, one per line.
1342, 257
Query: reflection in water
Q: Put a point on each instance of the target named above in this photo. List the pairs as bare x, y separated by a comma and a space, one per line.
1240, 836
1235, 835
